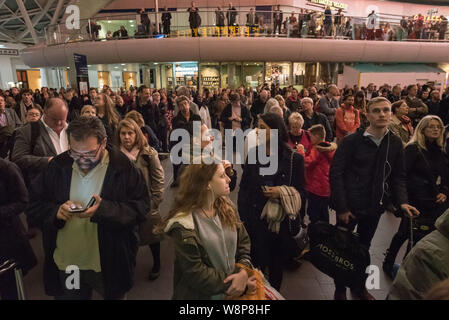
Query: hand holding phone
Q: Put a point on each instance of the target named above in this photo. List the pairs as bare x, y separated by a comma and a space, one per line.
77, 209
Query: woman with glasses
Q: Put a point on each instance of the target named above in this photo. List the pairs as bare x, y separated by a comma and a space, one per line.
135, 146
427, 174
107, 114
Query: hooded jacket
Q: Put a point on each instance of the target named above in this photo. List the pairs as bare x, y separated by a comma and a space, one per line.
195, 278
317, 163
425, 266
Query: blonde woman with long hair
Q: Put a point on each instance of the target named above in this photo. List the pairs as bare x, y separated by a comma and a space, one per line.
427, 175
209, 238
135, 146
107, 114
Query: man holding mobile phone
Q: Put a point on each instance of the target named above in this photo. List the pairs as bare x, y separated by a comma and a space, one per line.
101, 240
368, 173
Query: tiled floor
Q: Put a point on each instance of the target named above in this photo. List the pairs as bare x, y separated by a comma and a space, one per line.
305, 283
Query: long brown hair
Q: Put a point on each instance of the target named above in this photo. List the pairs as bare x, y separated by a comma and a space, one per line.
192, 196
109, 111
141, 142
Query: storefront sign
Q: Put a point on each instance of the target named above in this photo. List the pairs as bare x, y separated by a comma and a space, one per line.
9, 52
185, 69
332, 4
428, 18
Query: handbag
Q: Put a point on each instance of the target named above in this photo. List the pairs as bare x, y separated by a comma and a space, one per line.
338, 253
264, 290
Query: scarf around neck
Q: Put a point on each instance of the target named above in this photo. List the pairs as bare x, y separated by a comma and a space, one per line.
132, 155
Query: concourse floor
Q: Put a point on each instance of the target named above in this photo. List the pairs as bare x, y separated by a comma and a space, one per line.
305, 283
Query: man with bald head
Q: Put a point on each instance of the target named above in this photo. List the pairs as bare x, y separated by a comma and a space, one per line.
38, 142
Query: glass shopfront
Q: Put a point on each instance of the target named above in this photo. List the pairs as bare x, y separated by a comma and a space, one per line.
186, 74
210, 75
253, 74
278, 73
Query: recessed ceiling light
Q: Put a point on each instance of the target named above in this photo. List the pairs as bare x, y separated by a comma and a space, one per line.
131, 20
124, 69
132, 26
116, 67
109, 21
155, 63
122, 64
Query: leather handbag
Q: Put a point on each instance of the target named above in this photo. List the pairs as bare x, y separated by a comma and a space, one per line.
338, 253
264, 290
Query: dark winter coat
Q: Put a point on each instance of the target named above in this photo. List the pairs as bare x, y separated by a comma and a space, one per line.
357, 174
14, 243
423, 167
251, 202
125, 204
245, 115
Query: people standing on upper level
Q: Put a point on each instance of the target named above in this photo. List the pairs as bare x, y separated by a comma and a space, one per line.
220, 20
371, 25
194, 19
277, 20
166, 21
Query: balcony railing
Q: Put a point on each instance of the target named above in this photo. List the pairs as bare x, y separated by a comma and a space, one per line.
212, 23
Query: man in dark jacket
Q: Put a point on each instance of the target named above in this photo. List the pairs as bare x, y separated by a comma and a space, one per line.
277, 19
144, 106
166, 21
183, 120
194, 19
259, 105
101, 241
13, 242
367, 173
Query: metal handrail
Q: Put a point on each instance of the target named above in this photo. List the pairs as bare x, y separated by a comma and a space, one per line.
58, 34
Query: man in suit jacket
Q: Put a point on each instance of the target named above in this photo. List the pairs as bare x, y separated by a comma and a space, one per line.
9, 121
34, 148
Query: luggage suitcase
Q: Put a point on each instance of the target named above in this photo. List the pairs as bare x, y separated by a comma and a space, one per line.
12, 266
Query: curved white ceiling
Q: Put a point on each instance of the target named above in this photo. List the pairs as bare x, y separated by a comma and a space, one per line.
236, 49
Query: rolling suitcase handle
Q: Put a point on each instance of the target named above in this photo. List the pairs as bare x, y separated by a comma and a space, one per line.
10, 265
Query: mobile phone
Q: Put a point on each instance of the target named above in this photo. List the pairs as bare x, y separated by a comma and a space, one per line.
91, 202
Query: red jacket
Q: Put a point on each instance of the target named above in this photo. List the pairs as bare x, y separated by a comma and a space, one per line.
347, 120
317, 164
304, 139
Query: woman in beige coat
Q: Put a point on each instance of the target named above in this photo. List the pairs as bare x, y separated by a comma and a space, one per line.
134, 144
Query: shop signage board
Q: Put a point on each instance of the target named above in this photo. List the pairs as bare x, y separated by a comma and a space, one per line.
332, 4
9, 52
82, 71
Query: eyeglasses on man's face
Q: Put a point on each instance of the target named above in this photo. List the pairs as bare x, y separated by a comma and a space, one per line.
84, 155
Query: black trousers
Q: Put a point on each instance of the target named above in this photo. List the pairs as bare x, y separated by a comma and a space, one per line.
277, 25
366, 228
166, 29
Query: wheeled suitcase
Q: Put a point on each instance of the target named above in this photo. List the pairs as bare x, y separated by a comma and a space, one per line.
13, 266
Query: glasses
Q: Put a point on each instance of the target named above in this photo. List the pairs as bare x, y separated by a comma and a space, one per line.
87, 155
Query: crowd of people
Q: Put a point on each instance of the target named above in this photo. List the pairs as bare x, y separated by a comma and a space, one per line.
358, 151
306, 23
